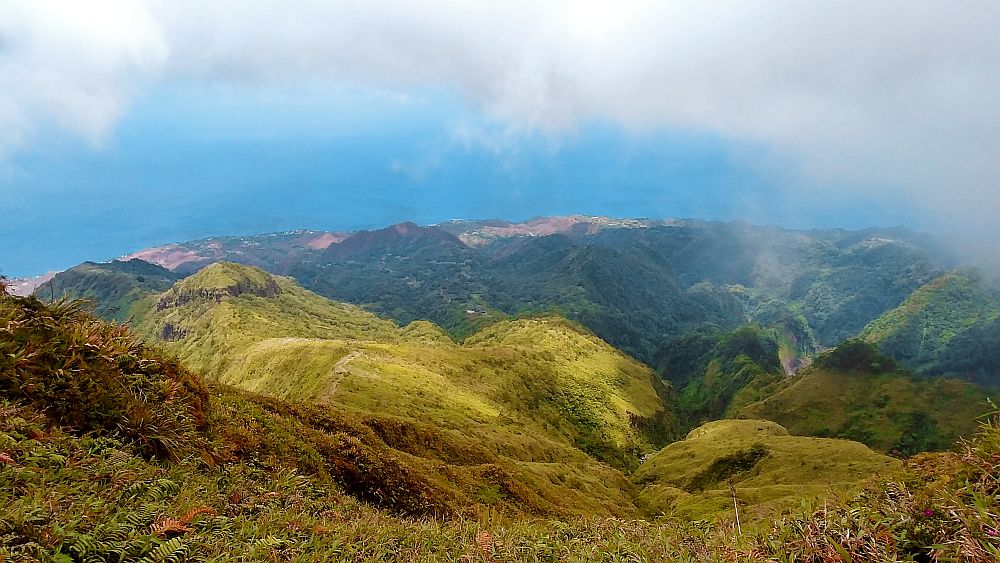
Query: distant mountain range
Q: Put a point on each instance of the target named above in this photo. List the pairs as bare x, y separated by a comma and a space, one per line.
528, 417
27, 286
725, 312
556, 369
271, 251
636, 283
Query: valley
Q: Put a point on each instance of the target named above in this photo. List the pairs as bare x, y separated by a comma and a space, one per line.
565, 369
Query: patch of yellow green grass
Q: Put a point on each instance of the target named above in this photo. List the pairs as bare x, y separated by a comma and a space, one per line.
591, 382
68, 498
223, 328
401, 380
545, 380
769, 470
290, 368
887, 411
223, 275
425, 331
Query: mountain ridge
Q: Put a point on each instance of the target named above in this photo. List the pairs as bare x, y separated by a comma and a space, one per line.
301, 346
369, 430
945, 328
636, 283
401, 237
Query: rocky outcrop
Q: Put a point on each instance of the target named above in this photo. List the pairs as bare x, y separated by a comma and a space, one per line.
170, 332
175, 298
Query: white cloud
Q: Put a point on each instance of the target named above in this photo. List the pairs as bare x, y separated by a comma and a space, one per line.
72, 64
891, 93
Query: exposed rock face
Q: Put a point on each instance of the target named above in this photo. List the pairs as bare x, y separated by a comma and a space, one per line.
267, 288
171, 332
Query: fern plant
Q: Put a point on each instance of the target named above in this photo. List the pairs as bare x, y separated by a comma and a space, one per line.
93, 376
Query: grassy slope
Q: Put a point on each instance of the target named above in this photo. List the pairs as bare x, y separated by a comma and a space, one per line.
96, 379
530, 388
887, 411
258, 478
691, 478
67, 498
923, 329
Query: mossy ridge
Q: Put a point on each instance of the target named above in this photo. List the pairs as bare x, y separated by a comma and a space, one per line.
228, 327
494, 392
541, 374
425, 331
850, 394
943, 328
289, 368
588, 382
222, 276
267, 489
770, 469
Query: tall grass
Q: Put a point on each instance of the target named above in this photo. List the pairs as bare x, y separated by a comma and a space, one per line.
89, 375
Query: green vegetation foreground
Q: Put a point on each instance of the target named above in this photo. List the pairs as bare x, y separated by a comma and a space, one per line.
109, 452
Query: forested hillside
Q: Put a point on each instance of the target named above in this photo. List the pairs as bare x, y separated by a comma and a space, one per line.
636, 284
853, 392
714, 371
948, 327
111, 288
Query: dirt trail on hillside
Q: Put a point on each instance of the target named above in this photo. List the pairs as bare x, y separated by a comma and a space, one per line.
340, 369
341, 365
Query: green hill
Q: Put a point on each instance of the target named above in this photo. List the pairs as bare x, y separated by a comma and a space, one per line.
119, 397
768, 469
226, 308
627, 297
714, 371
535, 388
111, 451
852, 392
943, 328
633, 283
112, 288
858, 284
407, 273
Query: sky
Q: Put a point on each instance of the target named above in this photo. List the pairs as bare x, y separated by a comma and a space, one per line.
126, 124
